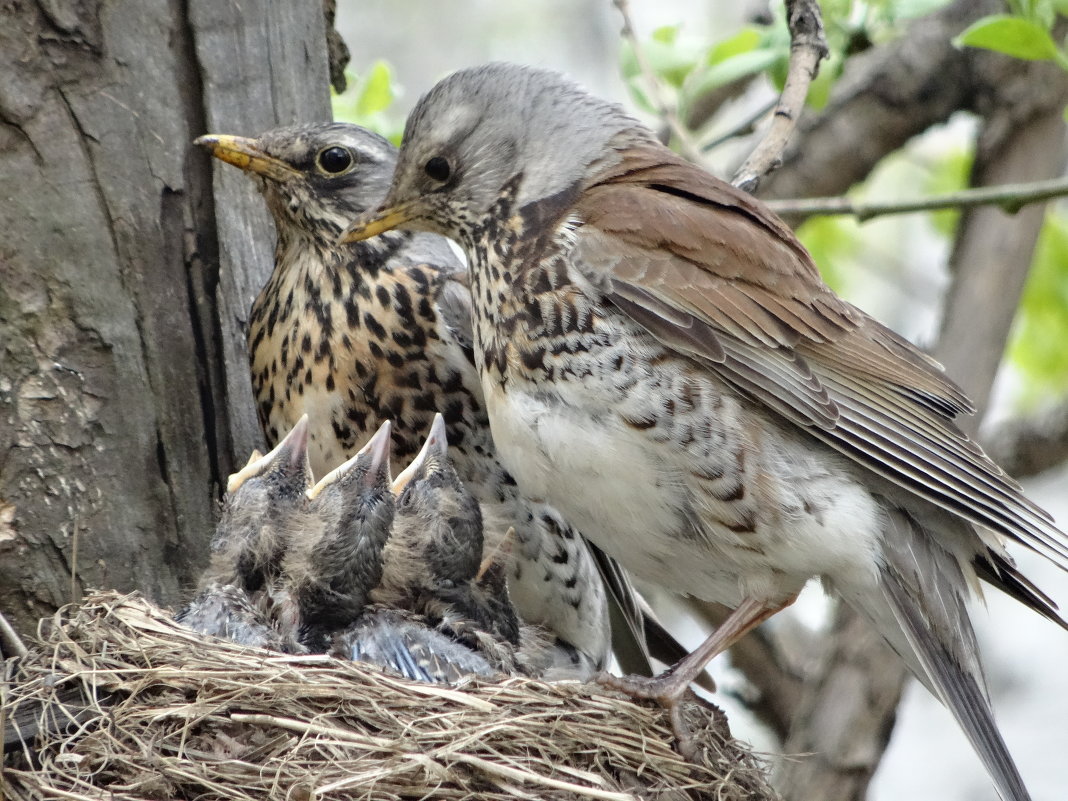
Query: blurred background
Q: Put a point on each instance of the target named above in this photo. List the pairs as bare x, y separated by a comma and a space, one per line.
894, 267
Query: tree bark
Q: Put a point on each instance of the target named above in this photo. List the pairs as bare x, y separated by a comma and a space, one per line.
122, 372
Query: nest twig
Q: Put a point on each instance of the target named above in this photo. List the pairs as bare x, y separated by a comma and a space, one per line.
130, 705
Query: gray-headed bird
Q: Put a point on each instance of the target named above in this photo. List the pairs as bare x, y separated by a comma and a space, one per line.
662, 362
361, 333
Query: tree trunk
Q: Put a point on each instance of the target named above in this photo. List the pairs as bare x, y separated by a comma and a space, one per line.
124, 392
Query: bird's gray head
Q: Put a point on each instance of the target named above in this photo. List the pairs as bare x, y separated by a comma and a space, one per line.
315, 178
470, 135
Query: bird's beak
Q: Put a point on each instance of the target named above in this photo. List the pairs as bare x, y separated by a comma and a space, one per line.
377, 448
385, 218
246, 155
435, 444
292, 452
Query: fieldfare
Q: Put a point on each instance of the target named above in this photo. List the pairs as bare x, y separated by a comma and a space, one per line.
356, 334
265, 507
407, 645
662, 362
226, 611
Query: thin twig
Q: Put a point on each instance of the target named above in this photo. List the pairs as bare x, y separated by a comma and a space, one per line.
687, 146
74, 594
743, 127
1011, 198
807, 47
10, 642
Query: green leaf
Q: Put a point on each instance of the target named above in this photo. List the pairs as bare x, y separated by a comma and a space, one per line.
666, 34
377, 92
668, 61
731, 69
748, 38
1012, 36
1041, 328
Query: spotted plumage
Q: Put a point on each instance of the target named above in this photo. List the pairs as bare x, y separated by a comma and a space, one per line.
661, 360
353, 335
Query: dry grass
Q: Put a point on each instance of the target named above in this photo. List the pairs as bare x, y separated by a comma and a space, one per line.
167, 714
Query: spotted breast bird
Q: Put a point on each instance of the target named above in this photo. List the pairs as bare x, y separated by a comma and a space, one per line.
381, 330
330, 569
662, 362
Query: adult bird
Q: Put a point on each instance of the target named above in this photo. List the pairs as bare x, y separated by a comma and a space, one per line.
357, 334
663, 363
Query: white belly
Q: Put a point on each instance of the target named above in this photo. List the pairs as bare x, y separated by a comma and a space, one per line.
630, 495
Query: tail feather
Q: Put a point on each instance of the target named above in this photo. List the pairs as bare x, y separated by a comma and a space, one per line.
961, 692
922, 611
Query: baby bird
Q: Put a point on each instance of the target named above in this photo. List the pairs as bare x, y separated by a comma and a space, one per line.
265, 509
226, 611
332, 567
433, 557
404, 643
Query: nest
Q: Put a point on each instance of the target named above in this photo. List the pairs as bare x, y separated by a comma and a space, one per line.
131, 705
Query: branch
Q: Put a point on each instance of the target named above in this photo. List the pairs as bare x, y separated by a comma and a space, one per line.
807, 47
884, 97
1031, 446
991, 258
687, 146
10, 642
1010, 197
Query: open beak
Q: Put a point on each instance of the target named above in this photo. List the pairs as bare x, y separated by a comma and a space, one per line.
373, 223
435, 444
291, 452
246, 155
377, 448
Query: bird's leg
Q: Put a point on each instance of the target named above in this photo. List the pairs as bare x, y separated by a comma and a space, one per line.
669, 687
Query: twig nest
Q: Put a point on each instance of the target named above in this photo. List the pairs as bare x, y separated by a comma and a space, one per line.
132, 705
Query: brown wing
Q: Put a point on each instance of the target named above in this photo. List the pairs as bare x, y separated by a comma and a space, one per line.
712, 273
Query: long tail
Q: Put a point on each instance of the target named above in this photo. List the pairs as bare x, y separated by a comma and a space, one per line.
925, 592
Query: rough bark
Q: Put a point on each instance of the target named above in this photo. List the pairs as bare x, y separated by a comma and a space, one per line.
121, 369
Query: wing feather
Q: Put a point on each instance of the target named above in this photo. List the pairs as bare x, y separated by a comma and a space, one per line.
710, 272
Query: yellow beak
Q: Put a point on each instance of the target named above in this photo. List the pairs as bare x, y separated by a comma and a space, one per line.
376, 222
245, 154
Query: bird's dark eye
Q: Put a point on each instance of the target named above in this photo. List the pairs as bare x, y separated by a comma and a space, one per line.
438, 168
334, 160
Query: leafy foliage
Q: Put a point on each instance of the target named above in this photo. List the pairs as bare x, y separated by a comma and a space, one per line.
368, 101
1026, 33
692, 70
1037, 345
